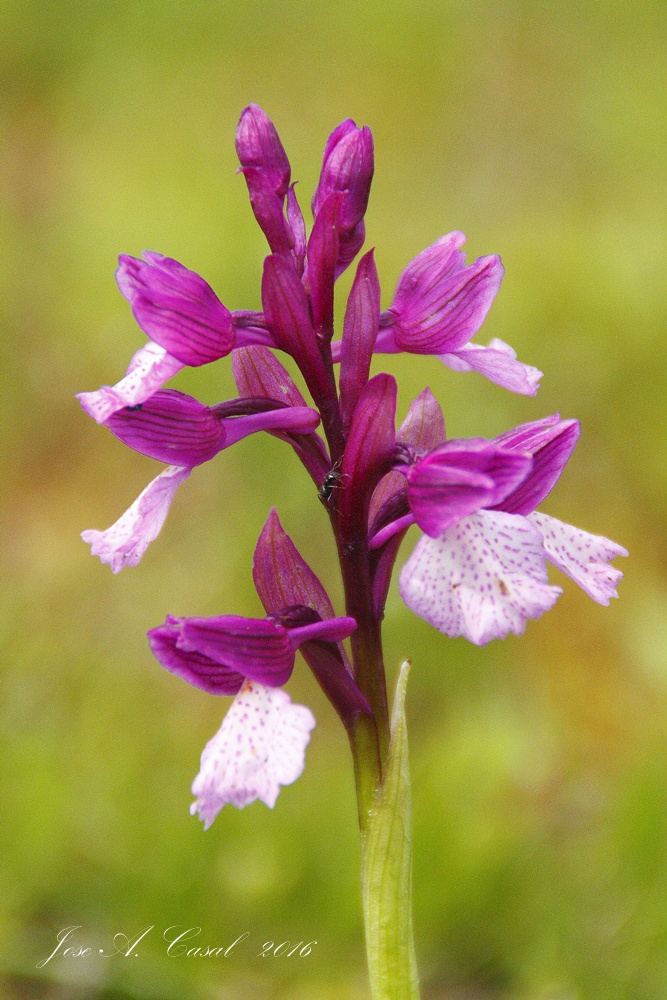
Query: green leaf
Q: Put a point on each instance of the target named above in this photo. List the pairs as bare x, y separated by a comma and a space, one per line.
386, 878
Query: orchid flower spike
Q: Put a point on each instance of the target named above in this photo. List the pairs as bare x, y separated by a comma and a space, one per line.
480, 567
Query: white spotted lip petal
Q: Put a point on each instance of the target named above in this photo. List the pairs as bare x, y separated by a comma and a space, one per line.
483, 578
260, 746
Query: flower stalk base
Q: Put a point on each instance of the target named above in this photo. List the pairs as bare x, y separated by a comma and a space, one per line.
386, 874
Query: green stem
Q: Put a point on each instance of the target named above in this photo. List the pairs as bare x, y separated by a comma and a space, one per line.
367, 767
386, 877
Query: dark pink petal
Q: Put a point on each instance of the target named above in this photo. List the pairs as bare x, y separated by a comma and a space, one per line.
425, 274
287, 419
265, 166
331, 630
350, 243
288, 316
498, 363
443, 496
256, 647
551, 442
298, 227
483, 578
176, 308
360, 328
389, 516
369, 450
391, 528
382, 567
260, 746
424, 424
170, 427
148, 370
582, 556
250, 328
332, 672
322, 259
175, 428
423, 427
199, 670
531, 436
439, 303
460, 477
259, 373
282, 576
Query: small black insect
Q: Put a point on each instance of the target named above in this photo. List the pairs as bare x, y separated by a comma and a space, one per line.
133, 409
332, 481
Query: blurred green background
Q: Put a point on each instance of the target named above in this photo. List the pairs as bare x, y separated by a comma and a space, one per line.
539, 764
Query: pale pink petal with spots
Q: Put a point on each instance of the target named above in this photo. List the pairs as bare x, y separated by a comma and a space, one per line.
482, 578
124, 543
260, 746
148, 371
582, 556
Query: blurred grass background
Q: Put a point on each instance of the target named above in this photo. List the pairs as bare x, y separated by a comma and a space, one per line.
539, 764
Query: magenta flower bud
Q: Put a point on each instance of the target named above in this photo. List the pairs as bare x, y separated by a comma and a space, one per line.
265, 166
258, 145
176, 308
347, 167
460, 477
347, 170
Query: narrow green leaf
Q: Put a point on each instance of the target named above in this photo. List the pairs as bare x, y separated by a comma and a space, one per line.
386, 877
